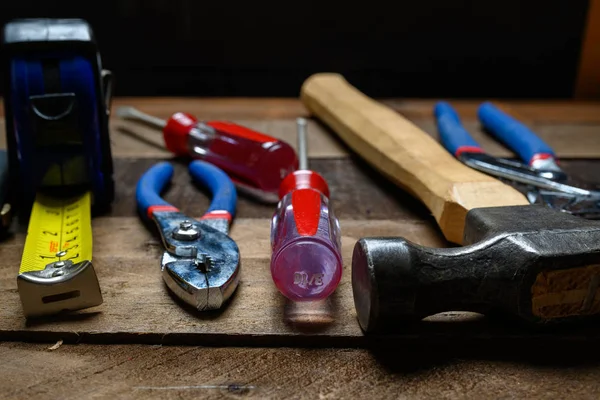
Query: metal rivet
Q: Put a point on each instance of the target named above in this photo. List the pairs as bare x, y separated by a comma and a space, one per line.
203, 263
185, 225
186, 231
59, 264
61, 254
59, 272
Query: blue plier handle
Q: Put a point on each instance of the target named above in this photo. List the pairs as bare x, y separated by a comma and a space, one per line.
535, 153
539, 170
201, 263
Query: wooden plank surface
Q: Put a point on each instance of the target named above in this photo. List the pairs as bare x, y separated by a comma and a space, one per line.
138, 308
241, 108
472, 371
572, 129
450, 356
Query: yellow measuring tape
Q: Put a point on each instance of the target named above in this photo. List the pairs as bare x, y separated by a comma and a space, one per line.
56, 271
59, 230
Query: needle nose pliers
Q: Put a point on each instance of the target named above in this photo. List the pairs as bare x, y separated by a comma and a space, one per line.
201, 262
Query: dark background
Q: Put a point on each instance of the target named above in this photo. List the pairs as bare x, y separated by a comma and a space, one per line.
427, 48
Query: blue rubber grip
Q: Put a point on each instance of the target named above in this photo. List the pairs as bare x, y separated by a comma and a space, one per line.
453, 135
512, 133
150, 185
224, 195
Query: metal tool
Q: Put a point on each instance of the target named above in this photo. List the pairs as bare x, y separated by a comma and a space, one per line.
201, 264
548, 184
257, 163
532, 262
59, 154
305, 234
5, 206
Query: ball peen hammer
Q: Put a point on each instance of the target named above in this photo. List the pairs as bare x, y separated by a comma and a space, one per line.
533, 262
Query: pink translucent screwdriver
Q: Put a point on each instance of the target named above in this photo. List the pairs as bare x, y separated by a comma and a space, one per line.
305, 234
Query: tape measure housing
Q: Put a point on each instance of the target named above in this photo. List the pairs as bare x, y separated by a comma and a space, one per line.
57, 102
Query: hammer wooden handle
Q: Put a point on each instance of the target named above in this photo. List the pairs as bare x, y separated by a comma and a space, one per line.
405, 154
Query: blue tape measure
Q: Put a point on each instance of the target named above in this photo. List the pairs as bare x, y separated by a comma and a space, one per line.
57, 111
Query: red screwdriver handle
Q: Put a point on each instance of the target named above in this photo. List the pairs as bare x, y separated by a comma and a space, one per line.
306, 263
254, 161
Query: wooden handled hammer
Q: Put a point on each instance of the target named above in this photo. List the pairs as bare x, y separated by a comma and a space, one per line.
539, 264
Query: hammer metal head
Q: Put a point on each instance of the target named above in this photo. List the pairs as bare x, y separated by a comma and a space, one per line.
536, 263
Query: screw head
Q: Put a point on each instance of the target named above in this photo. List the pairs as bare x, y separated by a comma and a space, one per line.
186, 231
185, 225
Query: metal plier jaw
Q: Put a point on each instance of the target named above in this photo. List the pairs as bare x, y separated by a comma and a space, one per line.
201, 263
551, 188
545, 182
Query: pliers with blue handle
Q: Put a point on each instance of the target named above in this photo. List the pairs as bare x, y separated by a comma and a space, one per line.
201, 264
553, 187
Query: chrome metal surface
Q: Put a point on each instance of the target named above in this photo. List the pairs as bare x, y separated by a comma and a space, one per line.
521, 173
107, 85
556, 193
586, 207
548, 168
302, 144
204, 271
127, 112
186, 231
60, 286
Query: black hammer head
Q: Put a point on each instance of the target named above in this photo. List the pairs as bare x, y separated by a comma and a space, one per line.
536, 263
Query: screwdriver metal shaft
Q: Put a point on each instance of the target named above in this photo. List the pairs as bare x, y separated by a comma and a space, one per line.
135, 114
302, 144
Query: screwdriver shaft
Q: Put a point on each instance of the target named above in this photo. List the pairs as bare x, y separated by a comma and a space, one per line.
134, 113
302, 144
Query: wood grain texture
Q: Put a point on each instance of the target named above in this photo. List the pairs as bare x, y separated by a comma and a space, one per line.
543, 111
138, 307
452, 356
556, 294
127, 254
406, 155
548, 111
471, 371
357, 192
571, 128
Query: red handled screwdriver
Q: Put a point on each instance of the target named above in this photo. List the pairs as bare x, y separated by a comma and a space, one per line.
305, 234
255, 162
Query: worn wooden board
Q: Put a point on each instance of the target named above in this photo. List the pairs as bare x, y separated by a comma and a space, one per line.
573, 130
137, 304
131, 139
569, 136
440, 360
70, 372
138, 307
243, 108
